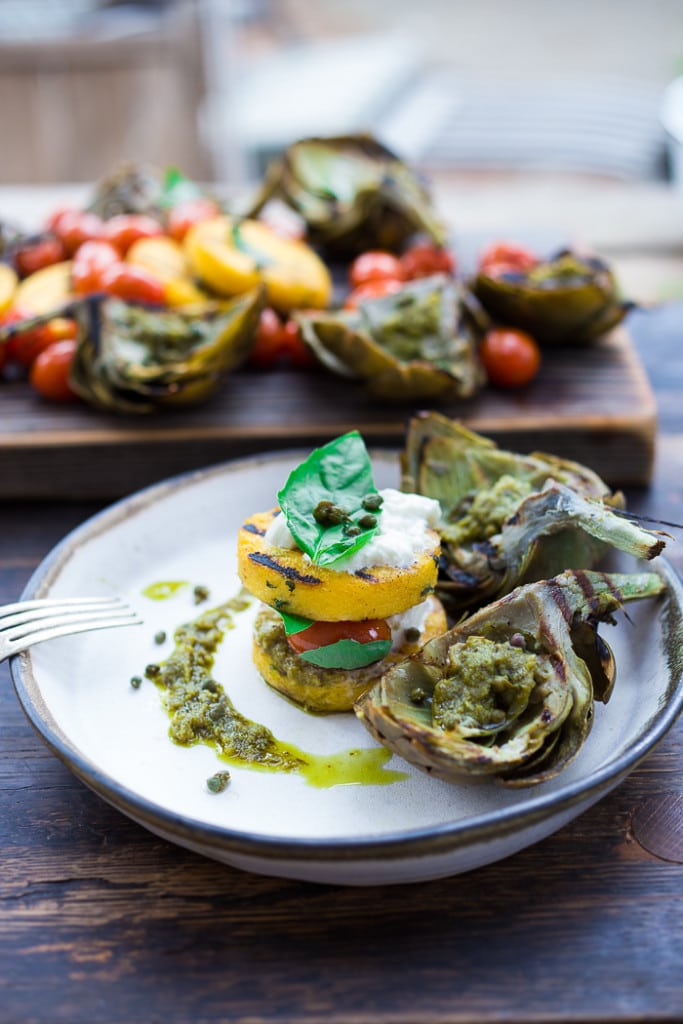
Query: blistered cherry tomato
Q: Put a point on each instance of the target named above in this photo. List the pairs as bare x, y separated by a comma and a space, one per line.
74, 227
501, 256
133, 284
24, 348
89, 263
295, 349
50, 371
424, 259
372, 290
36, 255
191, 211
124, 229
510, 357
322, 634
269, 340
374, 265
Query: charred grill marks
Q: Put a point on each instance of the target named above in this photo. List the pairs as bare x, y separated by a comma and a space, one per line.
286, 571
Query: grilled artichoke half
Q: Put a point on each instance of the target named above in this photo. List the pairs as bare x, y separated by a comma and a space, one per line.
418, 343
509, 519
567, 300
509, 692
131, 359
352, 193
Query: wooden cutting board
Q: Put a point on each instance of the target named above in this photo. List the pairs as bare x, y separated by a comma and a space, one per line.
594, 405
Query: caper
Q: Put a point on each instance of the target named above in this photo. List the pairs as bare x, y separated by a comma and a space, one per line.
152, 671
418, 695
201, 593
372, 502
412, 634
367, 521
328, 514
351, 530
136, 682
160, 637
218, 782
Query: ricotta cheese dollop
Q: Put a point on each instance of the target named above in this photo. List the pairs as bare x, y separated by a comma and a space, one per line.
405, 524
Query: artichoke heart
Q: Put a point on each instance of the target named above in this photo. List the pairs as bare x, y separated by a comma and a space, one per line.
566, 300
508, 519
130, 359
352, 193
417, 343
508, 692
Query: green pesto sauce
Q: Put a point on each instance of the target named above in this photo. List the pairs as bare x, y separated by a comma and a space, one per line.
162, 591
488, 511
404, 333
201, 712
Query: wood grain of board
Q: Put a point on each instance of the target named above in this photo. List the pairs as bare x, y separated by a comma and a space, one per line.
592, 404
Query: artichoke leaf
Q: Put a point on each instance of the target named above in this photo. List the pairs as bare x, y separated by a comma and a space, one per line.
352, 193
505, 693
417, 343
508, 519
134, 360
567, 300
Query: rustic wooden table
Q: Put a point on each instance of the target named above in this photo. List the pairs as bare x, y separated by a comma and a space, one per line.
100, 921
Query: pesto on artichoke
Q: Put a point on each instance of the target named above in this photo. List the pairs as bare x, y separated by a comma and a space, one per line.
351, 192
566, 300
508, 692
418, 343
507, 518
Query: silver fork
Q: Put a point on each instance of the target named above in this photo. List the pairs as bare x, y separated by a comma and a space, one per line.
30, 622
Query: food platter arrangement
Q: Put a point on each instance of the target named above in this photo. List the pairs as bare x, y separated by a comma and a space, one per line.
334, 296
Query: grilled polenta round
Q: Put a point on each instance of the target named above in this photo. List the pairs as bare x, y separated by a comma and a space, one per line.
326, 690
287, 580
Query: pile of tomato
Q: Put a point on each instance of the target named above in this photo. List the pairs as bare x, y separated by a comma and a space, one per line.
97, 250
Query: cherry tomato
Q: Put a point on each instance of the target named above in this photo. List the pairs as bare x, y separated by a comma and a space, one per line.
424, 259
269, 340
24, 348
133, 284
322, 634
36, 255
511, 358
74, 227
89, 263
501, 256
374, 265
182, 217
372, 290
50, 371
121, 231
295, 349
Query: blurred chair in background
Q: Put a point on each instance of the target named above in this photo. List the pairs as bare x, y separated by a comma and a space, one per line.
85, 85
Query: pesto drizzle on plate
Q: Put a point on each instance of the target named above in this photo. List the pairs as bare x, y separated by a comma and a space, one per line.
201, 712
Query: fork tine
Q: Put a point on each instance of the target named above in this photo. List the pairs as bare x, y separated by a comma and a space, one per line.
12, 615
30, 622
67, 628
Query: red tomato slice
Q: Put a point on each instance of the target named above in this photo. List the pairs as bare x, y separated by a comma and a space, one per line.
424, 259
322, 634
509, 255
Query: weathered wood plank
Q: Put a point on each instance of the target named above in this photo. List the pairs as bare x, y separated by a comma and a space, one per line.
595, 405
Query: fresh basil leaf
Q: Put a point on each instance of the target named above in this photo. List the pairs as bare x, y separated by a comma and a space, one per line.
294, 623
177, 188
348, 654
339, 472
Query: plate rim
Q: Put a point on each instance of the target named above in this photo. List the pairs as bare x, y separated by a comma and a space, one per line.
503, 823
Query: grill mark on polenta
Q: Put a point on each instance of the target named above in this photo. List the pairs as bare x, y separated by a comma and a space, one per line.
365, 576
287, 571
250, 528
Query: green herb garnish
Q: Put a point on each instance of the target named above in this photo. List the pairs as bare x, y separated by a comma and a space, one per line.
338, 475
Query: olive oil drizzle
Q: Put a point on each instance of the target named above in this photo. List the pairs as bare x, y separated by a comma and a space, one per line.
201, 712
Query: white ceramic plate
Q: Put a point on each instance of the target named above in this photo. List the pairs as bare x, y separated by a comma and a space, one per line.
77, 693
